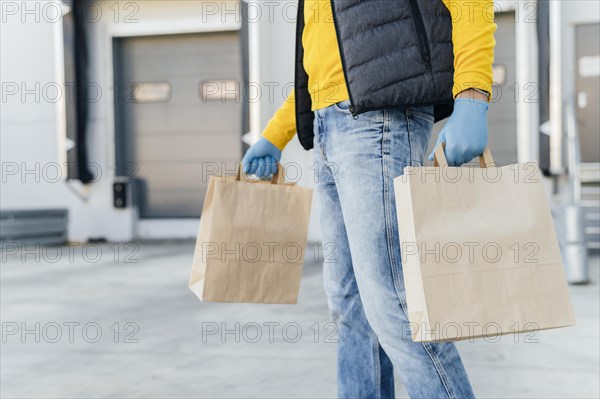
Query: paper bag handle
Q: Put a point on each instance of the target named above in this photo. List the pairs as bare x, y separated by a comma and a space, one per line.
485, 159
278, 176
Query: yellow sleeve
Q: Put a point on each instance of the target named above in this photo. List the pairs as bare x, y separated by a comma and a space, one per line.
473, 30
282, 126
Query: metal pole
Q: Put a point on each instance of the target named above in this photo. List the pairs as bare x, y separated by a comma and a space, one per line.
556, 92
574, 245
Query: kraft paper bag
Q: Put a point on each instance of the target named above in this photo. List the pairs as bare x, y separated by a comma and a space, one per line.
479, 251
251, 241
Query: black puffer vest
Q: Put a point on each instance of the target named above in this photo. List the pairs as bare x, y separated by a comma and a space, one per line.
394, 53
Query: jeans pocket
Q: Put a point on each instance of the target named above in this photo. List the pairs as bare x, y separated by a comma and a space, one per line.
420, 124
424, 112
343, 106
318, 129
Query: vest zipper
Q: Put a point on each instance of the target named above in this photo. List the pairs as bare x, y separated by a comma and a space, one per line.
421, 34
337, 34
299, 28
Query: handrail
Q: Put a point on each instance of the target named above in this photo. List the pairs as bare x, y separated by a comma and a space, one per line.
574, 246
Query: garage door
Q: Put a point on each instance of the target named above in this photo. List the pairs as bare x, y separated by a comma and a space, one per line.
178, 116
588, 89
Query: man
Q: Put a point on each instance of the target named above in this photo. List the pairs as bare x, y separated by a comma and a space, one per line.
371, 78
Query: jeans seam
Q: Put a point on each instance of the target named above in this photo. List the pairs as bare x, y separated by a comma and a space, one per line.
377, 367
387, 198
440, 369
389, 229
409, 134
320, 136
384, 143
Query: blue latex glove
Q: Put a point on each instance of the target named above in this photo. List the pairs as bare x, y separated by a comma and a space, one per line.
465, 133
261, 159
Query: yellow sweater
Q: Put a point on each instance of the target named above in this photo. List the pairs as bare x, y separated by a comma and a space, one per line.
473, 30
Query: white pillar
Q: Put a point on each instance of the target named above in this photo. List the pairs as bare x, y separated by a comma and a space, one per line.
528, 115
556, 91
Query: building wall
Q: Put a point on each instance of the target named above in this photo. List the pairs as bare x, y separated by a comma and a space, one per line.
33, 128
32, 117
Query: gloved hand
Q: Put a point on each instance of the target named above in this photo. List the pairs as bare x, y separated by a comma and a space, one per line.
465, 133
261, 159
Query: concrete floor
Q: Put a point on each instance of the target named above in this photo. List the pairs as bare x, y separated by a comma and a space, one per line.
177, 356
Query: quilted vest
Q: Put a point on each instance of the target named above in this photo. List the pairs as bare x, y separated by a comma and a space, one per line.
395, 53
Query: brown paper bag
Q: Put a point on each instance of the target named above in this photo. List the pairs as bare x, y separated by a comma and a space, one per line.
251, 241
479, 251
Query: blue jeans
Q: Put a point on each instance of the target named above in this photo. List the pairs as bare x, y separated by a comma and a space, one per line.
356, 161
